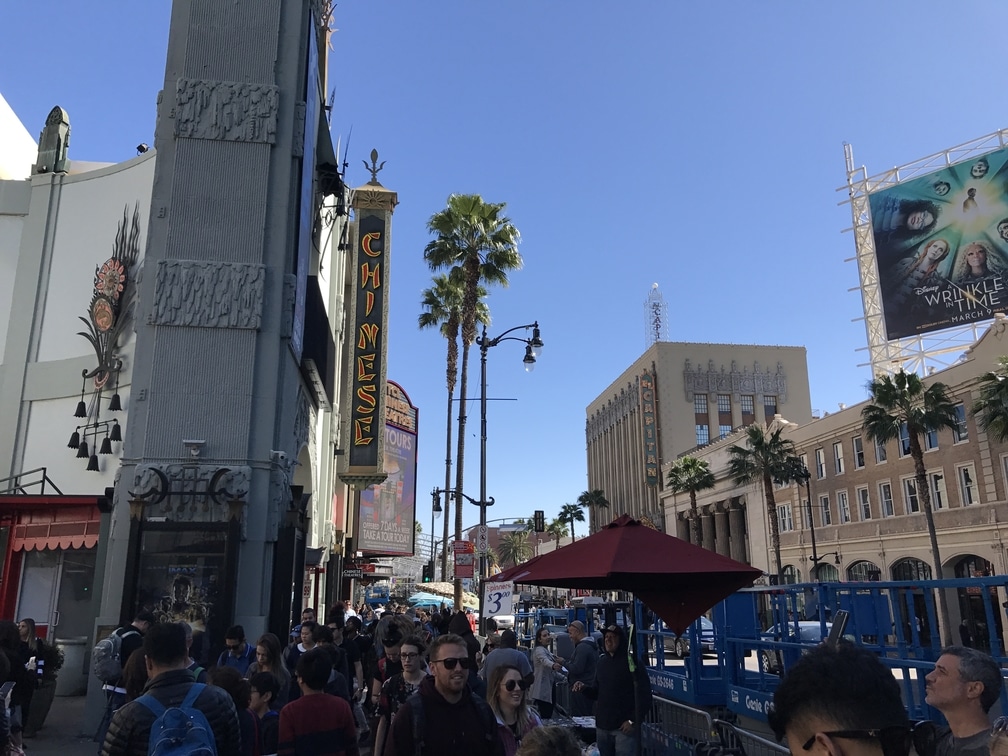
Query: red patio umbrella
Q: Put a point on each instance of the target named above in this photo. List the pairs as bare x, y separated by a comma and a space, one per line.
677, 580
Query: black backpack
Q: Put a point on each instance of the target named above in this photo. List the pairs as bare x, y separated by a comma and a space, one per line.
486, 714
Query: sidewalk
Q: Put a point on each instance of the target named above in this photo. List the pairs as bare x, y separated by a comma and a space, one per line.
61, 735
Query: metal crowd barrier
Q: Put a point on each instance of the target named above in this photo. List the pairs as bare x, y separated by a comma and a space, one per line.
734, 740
671, 727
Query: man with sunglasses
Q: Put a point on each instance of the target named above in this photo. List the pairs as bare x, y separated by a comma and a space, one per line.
842, 701
963, 686
237, 653
450, 720
623, 695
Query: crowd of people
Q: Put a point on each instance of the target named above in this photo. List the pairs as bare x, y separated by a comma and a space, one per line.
404, 685
400, 684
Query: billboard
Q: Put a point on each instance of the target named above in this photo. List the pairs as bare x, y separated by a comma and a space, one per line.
388, 510
941, 244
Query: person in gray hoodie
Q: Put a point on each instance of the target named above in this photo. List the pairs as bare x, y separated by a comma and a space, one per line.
580, 667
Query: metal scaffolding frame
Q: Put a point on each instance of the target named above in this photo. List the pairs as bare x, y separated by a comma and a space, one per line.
924, 353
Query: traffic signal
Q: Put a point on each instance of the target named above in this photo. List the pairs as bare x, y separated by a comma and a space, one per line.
428, 572
539, 521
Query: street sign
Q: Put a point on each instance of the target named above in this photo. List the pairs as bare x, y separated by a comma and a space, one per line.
482, 539
497, 599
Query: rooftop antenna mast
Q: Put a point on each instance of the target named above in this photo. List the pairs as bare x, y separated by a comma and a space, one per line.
655, 317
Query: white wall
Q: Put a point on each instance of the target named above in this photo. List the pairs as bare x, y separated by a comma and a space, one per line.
18, 150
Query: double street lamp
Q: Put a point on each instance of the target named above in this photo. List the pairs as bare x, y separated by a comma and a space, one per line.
436, 507
533, 348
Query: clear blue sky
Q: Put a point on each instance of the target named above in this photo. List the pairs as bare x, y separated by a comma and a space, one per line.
696, 145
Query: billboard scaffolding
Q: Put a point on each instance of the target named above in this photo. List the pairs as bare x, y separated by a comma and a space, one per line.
932, 253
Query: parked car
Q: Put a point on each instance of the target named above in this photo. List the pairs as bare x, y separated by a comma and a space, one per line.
680, 645
504, 621
808, 632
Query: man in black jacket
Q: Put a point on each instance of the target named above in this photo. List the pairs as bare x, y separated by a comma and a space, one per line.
169, 682
131, 639
624, 696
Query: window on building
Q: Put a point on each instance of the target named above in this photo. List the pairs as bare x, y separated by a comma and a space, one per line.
931, 440
769, 407
864, 503
838, 457
700, 404
961, 432
880, 452
858, 452
843, 506
938, 493
824, 507
820, 463
807, 514
784, 518
910, 495
904, 440
885, 499
724, 403
748, 404
724, 430
967, 485
1004, 469
702, 435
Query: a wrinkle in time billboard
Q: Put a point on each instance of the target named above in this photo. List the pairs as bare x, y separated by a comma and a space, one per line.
941, 242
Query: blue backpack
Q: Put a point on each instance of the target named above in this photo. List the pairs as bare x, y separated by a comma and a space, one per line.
179, 731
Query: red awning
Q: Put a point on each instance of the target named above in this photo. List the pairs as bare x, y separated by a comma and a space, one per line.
52, 522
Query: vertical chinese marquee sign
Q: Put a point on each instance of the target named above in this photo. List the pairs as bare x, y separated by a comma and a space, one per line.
388, 510
647, 389
364, 437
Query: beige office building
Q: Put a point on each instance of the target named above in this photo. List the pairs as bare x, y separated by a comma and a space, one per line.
865, 511
677, 397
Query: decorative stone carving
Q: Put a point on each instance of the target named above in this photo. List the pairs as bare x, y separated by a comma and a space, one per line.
302, 420
375, 199
289, 295
187, 492
235, 111
745, 382
54, 141
208, 294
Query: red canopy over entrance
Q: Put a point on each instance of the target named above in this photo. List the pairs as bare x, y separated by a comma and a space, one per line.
677, 580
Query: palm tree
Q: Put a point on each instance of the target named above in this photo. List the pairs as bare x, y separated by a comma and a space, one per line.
763, 458
493, 561
991, 407
689, 475
901, 406
442, 305
478, 238
570, 513
515, 547
556, 530
593, 500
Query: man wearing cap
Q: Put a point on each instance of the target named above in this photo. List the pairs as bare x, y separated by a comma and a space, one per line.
623, 695
580, 667
507, 653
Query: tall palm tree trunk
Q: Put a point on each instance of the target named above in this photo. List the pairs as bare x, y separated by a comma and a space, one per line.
460, 459
694, 520
447, 485
771, 505
924, 494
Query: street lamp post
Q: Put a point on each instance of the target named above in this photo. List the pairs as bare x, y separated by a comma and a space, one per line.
435, 497
804, 476
533, 348
435, 510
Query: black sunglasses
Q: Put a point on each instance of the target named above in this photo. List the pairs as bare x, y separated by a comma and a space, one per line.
512, 684
232, 648
895, 741
450, 663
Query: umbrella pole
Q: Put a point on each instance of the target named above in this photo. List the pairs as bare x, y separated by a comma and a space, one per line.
636, 688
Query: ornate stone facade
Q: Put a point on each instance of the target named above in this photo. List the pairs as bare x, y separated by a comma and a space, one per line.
735, 382
226, 110
208, 294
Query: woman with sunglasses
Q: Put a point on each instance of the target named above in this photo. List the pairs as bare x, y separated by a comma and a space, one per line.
400, 686
546, 669
506, 696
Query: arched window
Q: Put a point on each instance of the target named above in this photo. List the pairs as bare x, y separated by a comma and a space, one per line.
863, 571
911, 568
826, 573
972, 565
790, 574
